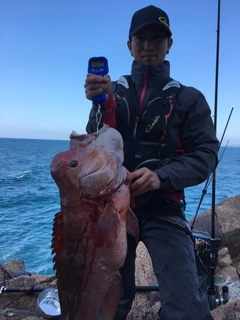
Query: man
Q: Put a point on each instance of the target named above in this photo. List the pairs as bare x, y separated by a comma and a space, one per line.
169, 144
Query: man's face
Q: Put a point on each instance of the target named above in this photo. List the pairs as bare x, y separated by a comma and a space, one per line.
150, 45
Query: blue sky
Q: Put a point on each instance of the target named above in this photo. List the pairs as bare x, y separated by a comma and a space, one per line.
45, 46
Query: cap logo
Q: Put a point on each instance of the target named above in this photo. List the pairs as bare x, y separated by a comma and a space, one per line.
163, 20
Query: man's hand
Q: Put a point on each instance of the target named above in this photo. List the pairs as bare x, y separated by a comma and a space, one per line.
94, 85
142, 180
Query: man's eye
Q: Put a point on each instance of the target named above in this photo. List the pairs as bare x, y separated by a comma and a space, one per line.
160, 36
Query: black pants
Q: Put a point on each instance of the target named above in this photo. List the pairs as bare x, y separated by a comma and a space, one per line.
173, 259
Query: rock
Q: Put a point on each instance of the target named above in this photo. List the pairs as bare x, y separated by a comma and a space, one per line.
203, 224
145, 307
238, 269
146, 304
225, 264
228, 215
20, 305
144, 271
229, 311
15, 266
224, 258
227, 224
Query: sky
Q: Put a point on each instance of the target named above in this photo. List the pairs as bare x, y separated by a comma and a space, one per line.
45, 46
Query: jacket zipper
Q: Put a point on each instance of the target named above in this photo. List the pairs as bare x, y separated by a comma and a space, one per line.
138, 117
145, 78
133, 144
136, 124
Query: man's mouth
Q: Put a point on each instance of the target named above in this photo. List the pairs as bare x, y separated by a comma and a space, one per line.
149, 56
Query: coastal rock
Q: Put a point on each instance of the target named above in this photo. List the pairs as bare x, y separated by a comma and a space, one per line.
228, 215
146, 303
22, 306
238, 269
229, 311
227, 225
203, 224
15, 266
225, 265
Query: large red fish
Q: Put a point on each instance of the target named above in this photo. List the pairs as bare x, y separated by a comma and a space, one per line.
89, 234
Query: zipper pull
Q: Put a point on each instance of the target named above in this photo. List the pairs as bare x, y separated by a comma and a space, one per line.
144, 89
135, 127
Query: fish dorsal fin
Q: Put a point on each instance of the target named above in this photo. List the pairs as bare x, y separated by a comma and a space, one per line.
56, 239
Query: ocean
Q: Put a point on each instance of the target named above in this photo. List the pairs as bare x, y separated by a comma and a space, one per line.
29, 198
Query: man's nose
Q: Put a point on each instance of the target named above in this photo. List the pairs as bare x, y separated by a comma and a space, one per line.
148, 44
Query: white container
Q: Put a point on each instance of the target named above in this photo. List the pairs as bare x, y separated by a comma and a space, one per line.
48, 303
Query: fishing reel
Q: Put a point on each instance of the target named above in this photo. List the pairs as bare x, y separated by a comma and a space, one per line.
206, 261
202, 248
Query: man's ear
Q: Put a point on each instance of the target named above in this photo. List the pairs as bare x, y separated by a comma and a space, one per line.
170, 42
129, 44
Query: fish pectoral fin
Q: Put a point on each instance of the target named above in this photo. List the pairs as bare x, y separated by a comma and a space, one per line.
132, 224
108, 226
109, 305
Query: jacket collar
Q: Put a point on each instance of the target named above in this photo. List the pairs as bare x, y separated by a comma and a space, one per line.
156, 74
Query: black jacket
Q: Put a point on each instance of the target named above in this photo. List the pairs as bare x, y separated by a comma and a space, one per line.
165, 126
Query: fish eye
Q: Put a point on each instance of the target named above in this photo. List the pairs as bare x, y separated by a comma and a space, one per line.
73, 164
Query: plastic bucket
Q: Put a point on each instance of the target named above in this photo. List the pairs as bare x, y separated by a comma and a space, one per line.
48, 303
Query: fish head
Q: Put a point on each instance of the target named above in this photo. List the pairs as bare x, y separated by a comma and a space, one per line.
87, 168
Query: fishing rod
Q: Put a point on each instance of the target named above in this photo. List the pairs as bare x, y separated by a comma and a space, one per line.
21, 289
225, 128
211, 290
204, 191
147, 288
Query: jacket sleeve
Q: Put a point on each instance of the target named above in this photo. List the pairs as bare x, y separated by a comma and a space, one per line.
107, 115
200, 144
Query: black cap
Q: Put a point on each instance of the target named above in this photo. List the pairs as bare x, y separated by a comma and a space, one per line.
149, 15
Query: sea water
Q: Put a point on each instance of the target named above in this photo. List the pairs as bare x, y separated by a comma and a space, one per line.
29, 198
